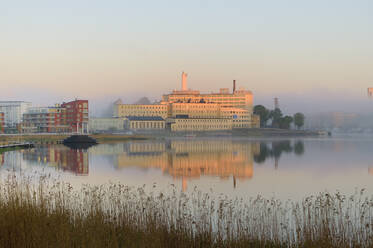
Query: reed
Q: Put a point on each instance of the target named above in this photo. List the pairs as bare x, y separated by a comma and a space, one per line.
38, 211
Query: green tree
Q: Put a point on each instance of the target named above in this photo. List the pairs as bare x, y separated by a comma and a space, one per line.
263, 114
285, 122
276, 116
299, 120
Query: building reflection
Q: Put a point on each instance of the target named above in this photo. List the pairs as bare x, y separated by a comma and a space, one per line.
62, 158
191, 159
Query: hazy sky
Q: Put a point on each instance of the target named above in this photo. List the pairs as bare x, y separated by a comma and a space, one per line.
303, 51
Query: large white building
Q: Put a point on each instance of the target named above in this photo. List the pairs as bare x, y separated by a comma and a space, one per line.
13, 112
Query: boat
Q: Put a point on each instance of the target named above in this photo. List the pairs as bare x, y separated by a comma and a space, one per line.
79, 141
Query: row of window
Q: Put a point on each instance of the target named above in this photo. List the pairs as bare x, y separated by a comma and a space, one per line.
147, 125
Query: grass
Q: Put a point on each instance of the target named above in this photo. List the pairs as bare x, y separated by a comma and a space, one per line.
40, 212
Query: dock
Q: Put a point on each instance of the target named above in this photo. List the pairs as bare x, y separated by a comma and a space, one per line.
17, 145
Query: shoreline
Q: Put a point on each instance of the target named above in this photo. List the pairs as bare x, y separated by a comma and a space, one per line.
113, 138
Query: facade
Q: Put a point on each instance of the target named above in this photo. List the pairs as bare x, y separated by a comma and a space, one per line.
145, 123
123, 110
2, 123
189, 110
240, 98
45, 120
77, 115
13, 112
201, 124
241, 118
106, 124
195, 110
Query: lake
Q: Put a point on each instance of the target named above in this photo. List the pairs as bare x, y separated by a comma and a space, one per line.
284, 168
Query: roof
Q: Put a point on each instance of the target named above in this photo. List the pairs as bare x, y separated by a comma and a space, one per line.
144, 118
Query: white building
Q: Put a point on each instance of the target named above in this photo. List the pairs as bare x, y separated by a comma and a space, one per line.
106, 124
13, 112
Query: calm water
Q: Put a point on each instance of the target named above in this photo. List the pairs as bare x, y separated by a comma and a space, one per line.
287, 169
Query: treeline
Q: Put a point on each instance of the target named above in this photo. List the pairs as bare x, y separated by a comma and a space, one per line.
276, 119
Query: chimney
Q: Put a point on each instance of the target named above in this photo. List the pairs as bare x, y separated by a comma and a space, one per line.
184, 86
234, 86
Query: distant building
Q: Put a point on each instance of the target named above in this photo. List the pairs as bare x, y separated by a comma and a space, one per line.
188, 110
370, 92
45, 120
13, 112
145, 123
67, 117
201, 124
123, 110
106, 124
2, 123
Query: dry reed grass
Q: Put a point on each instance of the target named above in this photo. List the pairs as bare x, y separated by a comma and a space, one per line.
37, 211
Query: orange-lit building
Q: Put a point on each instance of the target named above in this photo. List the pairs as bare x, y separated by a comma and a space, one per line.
198, 111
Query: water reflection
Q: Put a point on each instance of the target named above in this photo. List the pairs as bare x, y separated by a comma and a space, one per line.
186, 159
276, 148
61, 157
220, 164
181, 159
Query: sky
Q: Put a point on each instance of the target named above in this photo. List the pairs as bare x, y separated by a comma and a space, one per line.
314, 55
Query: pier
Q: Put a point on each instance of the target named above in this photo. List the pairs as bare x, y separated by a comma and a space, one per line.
16, 146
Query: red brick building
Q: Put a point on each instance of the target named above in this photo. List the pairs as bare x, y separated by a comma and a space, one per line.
2, 122
67, 117
77, 115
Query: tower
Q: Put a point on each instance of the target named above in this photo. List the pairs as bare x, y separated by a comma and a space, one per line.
184, 86
276, 103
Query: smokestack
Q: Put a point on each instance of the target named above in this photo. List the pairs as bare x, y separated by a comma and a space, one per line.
234, 86
277, 106
184, 86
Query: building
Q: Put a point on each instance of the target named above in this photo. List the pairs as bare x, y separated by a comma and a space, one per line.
106, 124
77, 115
13, 112
124, 110
67, 117
188, 110
201, 124
145, 123
45, 120
237, 98
370, 92
2, 123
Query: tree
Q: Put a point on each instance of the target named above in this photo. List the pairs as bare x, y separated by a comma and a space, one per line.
276, 116
285, 122
299, 120
263, 114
